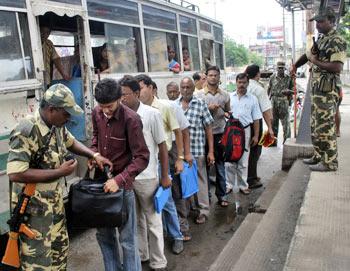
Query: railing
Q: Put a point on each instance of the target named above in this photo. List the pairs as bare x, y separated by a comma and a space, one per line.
184, 4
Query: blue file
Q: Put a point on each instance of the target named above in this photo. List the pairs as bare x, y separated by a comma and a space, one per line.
189, 180
160, 198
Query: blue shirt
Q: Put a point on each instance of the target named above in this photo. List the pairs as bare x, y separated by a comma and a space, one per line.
245, 108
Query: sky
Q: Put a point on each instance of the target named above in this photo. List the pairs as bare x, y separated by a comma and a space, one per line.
241, 18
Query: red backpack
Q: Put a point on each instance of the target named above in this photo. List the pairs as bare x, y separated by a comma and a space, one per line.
233, 140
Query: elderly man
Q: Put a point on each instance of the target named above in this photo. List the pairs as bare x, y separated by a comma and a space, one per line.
327, 58
200, 119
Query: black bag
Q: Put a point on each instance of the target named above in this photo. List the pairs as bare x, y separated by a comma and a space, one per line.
91, 207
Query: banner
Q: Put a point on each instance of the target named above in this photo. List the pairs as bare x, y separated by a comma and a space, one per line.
270, 33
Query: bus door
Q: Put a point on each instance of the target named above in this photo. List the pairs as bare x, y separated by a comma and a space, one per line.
63, 34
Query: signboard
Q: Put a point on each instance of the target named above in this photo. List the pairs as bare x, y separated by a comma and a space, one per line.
270, 33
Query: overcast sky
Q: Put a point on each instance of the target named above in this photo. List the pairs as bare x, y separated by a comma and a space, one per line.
241, 17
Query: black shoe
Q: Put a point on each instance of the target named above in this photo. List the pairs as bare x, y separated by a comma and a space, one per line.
178, 246
310, 161
255, 185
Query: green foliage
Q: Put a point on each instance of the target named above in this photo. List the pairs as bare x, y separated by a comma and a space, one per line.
344, 30
237, 55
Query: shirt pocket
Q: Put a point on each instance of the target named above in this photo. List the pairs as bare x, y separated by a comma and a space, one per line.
116, 145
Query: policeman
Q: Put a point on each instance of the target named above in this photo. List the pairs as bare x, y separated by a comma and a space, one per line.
279, 90
46, 131
327, 57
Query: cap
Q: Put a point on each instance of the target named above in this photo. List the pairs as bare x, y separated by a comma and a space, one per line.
61, 96
281, 64
325, 13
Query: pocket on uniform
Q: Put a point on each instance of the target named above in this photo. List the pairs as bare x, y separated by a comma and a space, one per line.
327, 82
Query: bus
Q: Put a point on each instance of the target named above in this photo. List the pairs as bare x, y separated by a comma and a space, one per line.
127, 36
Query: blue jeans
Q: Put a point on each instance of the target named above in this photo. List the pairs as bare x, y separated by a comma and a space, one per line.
171, 222
107, 239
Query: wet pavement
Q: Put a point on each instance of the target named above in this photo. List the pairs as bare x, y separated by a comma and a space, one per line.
207, 240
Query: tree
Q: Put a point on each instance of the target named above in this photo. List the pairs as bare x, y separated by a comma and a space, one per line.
236, 55
255, 58
344, 30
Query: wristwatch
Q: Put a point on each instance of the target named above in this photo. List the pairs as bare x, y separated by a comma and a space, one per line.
181, 157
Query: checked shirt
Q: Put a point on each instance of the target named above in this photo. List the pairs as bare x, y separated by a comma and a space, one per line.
199, 118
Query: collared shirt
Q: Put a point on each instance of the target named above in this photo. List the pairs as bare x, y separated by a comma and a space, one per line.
278, 84
245, 108
260, 93
180, 117
221, 98
332, 48
30, 135
49, 54
153, 133
121, 140
199, 118
169, 119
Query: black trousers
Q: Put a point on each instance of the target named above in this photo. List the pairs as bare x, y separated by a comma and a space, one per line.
254, 156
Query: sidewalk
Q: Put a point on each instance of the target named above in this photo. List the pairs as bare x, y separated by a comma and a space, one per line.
322, 236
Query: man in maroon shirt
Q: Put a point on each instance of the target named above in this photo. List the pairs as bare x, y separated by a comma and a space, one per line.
117, 135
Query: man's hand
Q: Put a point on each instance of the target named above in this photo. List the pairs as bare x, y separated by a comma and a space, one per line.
111, 186
313, 59
189, 159
179, 166
213, 107
254, 140
66, 77
210, 158
68, 167
165, 182
91, 163
270, 131
101, 161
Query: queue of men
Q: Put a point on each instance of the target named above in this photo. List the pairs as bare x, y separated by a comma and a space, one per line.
146, 140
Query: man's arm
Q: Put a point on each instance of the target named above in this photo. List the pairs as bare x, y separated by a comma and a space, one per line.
268, 120
209, 135
94, 140
32, 175
333, 67
300, 62
255, 138
187, 146
164, 162
59, 67
179, 167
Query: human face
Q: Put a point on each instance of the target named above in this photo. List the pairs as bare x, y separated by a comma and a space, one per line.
185, 54
242, 85
58, 116
200, 83
109, 108
44, 33
213, 78
146, 93
280, 71
104, 54
186, 89
171, 54
129, 98
323, 26
172, 92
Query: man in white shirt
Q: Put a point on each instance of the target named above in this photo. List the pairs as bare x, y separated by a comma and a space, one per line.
245, 108
151, 241
260, 93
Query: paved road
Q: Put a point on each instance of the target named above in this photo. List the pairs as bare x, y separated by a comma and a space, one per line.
208, 239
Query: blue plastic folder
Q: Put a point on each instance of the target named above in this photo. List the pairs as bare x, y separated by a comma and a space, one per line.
160, 198
189, 180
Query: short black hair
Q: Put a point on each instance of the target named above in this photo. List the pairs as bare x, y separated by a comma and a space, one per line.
252, 71
212, 68
242, 76
144, 78
196, 76
154, 85
172, 84
107, 91
131, 82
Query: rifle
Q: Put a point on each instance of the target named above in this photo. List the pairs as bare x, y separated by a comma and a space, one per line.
17, 226
19, 216
314, 49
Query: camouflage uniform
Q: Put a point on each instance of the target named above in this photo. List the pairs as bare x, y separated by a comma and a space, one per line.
324, 98
280, 103
49, 250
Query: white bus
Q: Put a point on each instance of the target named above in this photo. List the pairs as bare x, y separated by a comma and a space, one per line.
137, 35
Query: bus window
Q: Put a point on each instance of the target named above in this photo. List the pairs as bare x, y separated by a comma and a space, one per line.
204, 27
190, 53
207, 53
162, 48
15, 4
188, 25
219, 58
74, 2
14, 65
218, 36
116, 10
159, 18
122, 51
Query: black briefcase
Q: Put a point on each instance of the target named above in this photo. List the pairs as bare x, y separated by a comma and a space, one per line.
91, 207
